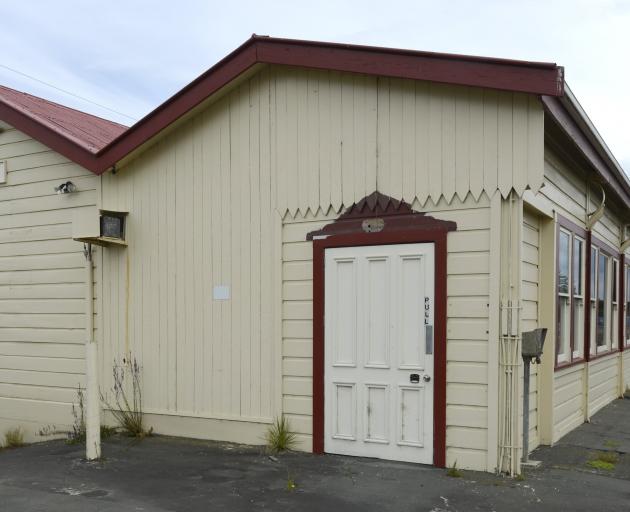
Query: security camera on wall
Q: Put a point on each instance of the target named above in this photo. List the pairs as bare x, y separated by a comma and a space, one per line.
65, 188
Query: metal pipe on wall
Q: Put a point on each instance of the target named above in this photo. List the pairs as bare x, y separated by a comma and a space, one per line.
92, 405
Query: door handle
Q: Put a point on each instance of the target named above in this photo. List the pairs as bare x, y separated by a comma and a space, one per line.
426, 378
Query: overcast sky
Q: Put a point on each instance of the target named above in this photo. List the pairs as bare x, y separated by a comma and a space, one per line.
132, 55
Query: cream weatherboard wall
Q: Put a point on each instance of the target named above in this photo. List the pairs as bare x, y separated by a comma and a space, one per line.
581, 390
530, 274
227, 197
467, 415
42, 286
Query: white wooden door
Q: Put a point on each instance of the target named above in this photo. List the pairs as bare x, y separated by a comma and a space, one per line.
379, 351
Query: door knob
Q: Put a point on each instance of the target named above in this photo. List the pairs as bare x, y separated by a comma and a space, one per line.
426, 378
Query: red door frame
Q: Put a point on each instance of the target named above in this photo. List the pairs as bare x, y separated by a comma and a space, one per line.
403, 227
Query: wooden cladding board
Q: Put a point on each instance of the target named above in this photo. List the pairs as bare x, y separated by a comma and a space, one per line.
566, 192
529, 316
467, 325
569, 408
338, 137
200, 216
203, 201
42, 285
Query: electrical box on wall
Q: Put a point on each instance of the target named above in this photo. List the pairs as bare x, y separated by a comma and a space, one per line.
100, 227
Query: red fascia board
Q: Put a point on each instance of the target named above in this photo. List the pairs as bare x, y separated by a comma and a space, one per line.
518, 76
55, 141
182, 102
558, 112
521, 76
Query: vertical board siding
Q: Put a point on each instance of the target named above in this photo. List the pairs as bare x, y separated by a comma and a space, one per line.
299, 144
529, 316
200, 216
467, 326
42, 286
408, 139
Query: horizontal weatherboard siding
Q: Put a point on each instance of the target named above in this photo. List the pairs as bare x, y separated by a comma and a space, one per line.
42, 286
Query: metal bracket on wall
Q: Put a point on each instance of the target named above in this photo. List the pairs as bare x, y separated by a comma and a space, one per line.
593, 217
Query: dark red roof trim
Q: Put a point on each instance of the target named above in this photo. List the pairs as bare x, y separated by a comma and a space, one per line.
511, 75
558, 112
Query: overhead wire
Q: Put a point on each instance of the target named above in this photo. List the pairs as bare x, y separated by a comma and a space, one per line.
65, 91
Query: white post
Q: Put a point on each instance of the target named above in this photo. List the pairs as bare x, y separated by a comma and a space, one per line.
92, 406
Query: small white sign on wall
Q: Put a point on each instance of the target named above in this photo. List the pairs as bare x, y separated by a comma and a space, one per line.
221, 292
3, 172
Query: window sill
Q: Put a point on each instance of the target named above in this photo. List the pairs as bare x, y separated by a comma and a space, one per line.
565, 365
601, 355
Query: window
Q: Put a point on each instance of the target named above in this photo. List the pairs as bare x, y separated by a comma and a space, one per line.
570, 297
563, 343
578, 297
614, 315
604, 277
627, 288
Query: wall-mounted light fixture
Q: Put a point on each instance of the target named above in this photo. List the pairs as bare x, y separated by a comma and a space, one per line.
65, 188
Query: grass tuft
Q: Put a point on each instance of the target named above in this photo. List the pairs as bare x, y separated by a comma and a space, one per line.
604, 460
454, 472
600, 464
279, 436
14, 438
291, 485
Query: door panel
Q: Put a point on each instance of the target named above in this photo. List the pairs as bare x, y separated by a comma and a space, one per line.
378, 376
345, 411
377, 311
345, 332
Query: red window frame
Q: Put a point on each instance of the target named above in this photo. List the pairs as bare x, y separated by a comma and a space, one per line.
574, 230
624, 292
613, 254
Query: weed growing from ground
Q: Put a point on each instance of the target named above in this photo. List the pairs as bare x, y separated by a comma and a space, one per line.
14, 438
78, 433
279, 436
291, 485
454, 472
126, 406
604, 460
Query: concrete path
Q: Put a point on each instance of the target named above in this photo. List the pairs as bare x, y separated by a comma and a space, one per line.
166, 474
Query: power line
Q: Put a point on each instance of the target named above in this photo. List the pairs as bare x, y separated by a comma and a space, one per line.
66, 92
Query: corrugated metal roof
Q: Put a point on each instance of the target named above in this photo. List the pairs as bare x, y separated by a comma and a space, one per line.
90, 132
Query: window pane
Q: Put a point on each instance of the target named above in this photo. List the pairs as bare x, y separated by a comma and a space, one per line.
577, 266
564, 327
578, 327
563, 262
593, 273
602, 282
628, 303
614, 281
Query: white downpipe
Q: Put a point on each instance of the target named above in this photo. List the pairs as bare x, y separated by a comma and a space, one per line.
92, 405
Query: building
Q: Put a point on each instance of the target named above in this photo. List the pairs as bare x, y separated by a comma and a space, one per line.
353, 237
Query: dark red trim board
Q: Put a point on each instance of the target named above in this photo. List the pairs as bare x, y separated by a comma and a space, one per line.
511, 75
401, 225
